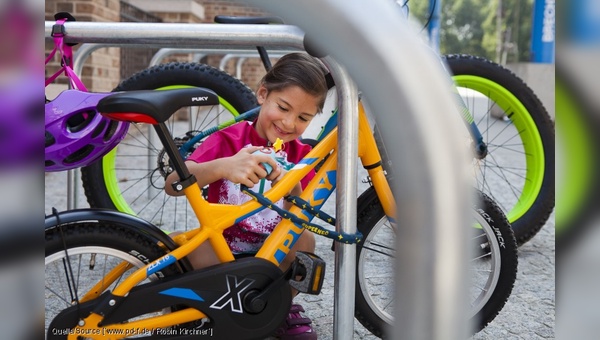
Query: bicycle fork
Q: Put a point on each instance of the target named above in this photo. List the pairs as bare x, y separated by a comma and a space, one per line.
479, 146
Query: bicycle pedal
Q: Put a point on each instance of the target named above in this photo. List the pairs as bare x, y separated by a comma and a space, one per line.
311, 268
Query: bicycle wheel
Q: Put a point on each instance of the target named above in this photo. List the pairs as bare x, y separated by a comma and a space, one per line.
578, 188
79, 255
131, 177
518, 171
493, 267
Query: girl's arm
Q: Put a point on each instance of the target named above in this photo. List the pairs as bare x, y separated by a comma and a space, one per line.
243, 167
296, 190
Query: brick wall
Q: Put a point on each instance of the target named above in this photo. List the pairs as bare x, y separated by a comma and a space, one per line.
252, 68
178, 17
222, 7
135, 59
101, 69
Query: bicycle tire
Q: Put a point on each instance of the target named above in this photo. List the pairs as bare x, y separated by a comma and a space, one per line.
518, 171
578, 189
131, 177
100, 245
374, 304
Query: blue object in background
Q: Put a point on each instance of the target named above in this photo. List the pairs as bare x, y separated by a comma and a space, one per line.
434, 25
543, 36
583, 21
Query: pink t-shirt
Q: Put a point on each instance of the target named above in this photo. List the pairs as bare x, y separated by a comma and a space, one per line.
248, 235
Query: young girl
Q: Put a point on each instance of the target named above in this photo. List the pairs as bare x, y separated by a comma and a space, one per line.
291, 94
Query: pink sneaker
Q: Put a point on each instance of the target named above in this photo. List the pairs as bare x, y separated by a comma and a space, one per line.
296, 326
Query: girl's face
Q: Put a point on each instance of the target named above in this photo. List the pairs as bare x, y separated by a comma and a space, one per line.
285, 114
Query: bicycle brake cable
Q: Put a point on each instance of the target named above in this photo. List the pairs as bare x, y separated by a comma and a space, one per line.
72, 290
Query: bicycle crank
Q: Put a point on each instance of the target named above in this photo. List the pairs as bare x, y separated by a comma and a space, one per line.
221, 292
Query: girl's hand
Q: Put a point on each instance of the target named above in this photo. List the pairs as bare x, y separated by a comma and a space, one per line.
276, 175
246, 168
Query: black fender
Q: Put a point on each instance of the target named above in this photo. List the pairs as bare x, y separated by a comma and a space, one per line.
134, 223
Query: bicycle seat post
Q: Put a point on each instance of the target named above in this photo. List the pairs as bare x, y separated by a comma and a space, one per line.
156, 107
186, 178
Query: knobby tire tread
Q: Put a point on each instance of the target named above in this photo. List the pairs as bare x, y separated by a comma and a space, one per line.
528, 225
509, 264
104, 234
370, 212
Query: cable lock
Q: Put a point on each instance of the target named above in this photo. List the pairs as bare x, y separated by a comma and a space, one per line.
315, 228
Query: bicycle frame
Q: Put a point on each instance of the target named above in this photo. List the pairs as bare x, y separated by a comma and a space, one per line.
215, 218
66, 57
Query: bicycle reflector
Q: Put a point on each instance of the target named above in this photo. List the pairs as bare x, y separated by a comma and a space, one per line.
311, 271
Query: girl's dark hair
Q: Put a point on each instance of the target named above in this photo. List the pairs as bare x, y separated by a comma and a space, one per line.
298, 69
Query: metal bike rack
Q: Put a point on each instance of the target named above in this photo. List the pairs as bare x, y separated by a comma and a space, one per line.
164, 52
200, 53
86, 49
246, 38
400, 81
241, 58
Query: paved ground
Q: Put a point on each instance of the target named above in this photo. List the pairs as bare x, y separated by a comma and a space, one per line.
529, 313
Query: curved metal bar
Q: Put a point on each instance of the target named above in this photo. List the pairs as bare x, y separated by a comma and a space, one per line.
410, 95
230, 55
345, 254
82, 53
232, 36
164, 52
210, 37
238, 66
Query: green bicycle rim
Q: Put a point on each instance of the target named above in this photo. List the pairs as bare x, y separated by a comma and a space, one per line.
528, 132
108, 162
574, 184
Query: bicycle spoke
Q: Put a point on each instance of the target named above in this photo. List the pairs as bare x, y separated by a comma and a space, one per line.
379, 251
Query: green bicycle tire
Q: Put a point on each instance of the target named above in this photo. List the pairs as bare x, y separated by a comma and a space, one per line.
577, 186
530, 134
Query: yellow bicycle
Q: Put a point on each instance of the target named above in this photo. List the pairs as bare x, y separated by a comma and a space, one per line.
112, 275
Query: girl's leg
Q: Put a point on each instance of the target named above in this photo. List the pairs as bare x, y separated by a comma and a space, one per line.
297, 325
306, 243
201, 257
